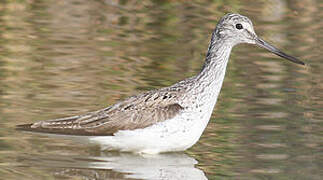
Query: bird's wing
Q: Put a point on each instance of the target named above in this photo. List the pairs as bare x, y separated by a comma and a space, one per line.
134, 113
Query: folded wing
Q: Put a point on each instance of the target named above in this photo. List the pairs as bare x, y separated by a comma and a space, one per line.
136, 112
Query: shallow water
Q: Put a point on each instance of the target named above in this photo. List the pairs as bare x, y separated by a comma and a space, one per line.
62, 58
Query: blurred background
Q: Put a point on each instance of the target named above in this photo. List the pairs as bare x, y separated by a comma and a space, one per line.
63, 58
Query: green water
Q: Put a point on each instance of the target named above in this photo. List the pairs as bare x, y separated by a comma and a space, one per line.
62, 58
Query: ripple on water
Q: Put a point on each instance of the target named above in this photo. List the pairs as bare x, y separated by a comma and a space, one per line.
272, 156
270, 127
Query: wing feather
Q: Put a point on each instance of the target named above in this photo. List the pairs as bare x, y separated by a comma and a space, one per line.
134, 113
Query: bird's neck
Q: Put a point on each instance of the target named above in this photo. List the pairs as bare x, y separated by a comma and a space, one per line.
208, 83
213, 71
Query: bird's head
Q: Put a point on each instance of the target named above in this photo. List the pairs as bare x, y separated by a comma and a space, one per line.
236, 29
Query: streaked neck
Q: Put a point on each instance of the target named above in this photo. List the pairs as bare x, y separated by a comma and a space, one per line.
216, 60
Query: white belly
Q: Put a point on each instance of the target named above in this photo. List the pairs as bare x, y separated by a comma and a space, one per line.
177, 134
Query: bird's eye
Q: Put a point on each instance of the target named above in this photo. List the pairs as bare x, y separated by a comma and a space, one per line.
239, 26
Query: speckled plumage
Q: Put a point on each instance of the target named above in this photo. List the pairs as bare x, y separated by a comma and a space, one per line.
169, 119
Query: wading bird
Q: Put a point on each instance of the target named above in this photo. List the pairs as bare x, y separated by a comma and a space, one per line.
167, 119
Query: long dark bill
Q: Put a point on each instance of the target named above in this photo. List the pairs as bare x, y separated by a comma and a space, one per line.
276, 51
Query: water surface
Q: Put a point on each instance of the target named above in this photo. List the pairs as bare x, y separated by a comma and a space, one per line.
62, 58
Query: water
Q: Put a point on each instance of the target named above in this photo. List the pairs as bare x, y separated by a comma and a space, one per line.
62, 58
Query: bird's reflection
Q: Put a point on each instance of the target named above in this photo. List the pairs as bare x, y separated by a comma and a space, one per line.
113, 165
